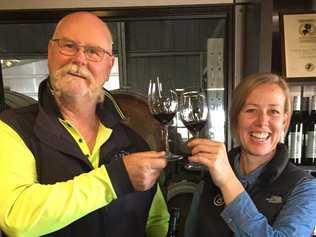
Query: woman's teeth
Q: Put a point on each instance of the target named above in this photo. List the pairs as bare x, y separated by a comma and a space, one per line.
260, 135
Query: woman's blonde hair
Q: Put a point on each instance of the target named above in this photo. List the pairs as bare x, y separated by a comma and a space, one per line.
246, 86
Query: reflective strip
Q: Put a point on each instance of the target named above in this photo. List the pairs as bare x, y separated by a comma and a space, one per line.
117, 107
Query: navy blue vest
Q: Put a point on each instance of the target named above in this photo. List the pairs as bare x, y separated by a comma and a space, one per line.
279, 178
58, 158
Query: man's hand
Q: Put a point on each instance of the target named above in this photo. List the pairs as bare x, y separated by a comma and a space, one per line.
144, 168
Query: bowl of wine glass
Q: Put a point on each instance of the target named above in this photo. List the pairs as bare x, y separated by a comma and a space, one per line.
163, 105
194, 115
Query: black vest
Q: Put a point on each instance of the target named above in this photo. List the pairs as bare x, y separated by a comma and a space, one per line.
278, 179
58, 158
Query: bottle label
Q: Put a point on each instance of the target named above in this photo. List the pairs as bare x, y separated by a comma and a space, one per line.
295, 145
311, 145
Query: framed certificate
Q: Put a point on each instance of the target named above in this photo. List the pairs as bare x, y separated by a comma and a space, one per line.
298, 41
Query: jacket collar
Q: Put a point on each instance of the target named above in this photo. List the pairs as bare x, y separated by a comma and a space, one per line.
49, 130
273, 168
109, 112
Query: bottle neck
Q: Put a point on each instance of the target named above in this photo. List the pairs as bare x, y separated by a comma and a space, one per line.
296, 104
172, 226
313, 113
173, 221
305, 104
313, 106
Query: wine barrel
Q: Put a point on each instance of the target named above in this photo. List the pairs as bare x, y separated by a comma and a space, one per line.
15, 99
138, 117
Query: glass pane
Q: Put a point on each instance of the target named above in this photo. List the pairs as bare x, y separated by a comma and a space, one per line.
24, 76
114, 80
190, 52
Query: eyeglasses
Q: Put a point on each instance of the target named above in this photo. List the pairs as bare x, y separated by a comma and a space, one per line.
70, 48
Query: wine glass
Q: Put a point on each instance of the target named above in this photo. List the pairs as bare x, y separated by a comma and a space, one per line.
163, 104
193, 114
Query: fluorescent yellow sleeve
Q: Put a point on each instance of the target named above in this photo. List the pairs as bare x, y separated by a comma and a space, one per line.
157, 223
28, 208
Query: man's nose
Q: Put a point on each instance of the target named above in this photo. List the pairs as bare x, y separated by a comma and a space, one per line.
80, 57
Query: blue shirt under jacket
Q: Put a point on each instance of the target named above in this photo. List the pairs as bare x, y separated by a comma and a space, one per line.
297, 218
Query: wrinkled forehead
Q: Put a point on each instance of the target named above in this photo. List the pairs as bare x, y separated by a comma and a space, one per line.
84, 28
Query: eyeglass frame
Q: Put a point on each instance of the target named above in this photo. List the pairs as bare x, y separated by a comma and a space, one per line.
77, 46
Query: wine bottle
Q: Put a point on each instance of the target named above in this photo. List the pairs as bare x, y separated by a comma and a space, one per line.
314, 232
295, 137
310, 153
305, 117
173, 221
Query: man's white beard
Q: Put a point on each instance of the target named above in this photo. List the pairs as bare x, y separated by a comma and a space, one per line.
62, 77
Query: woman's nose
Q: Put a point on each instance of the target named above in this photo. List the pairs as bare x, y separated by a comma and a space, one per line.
262, 118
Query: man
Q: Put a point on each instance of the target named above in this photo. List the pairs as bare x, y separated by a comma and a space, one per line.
68, 166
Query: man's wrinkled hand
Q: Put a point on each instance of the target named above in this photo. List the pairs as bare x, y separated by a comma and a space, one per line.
144, 168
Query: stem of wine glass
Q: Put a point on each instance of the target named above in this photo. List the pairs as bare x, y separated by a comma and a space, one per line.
197, 134
191, 165
166, 137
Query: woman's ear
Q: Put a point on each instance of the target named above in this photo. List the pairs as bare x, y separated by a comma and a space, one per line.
286, 122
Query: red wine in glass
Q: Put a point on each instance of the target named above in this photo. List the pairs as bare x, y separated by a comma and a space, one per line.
163, 105
164, 118
194, 126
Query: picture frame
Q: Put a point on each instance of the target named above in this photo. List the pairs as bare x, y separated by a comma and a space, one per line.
298, 44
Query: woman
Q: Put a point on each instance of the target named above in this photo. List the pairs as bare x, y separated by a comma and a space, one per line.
254, 190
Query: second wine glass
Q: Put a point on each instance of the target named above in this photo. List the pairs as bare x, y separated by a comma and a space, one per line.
193, 114
163, 104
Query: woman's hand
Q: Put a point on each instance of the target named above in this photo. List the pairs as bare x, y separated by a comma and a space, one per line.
213, 155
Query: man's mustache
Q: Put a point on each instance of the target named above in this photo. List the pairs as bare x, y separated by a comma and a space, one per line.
74, 69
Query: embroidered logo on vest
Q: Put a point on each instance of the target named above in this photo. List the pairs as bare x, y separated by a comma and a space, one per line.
218, 200
274, 199
120, 154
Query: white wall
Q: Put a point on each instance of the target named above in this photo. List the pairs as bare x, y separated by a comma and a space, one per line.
53, 4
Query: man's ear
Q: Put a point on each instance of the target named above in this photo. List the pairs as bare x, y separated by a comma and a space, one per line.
110, 66
50, 44
49, 48
112, 60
